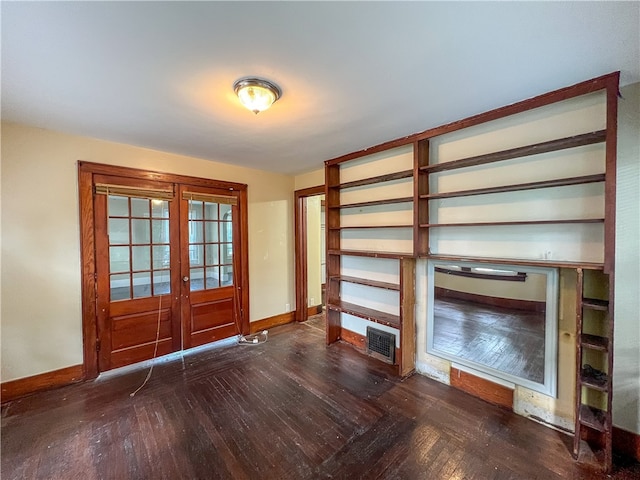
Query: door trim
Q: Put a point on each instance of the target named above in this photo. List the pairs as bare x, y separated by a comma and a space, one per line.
300, 222
86, 172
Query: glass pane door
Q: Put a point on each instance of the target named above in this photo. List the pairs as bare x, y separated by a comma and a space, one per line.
139, 249
210, 245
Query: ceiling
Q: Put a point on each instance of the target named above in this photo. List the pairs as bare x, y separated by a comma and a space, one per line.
353, 74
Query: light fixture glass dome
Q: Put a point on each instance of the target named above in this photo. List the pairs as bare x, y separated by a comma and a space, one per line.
256, 94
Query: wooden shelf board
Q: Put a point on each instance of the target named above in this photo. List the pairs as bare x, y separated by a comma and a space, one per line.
593, 418
377, 179
387, 201
363, 253
365, 281
534, 149
597, 383
595, 304
560, 182
522, 222
368, 227
370, 314
519, 261
595, 342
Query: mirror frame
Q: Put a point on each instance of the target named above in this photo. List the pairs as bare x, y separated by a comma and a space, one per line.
549, 385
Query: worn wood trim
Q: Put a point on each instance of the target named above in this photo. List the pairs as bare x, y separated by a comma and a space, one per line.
354, 339
270, 322
300, 247
243, 226
481, 388
87, 255
626, 443
116, 170
407, 362
315, 310
610, 173
14, 389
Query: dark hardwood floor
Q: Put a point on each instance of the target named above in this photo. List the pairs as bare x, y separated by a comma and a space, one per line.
287, 409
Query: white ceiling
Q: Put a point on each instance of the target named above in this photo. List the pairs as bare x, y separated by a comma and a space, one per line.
353, 74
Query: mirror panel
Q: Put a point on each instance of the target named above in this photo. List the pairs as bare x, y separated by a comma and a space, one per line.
498, 319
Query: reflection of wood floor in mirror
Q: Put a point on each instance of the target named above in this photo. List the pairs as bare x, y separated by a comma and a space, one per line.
507, 340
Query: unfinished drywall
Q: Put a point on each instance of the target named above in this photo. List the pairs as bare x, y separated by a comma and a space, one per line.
41, 308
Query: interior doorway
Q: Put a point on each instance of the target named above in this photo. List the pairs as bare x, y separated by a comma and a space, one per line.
164, 263
309, 251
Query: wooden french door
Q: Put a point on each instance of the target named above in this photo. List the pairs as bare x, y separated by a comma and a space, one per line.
166, 267
207, 244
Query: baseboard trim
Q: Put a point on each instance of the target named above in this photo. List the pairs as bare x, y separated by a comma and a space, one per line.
270, 322
314, 310
14, 389
353, 338
626, 443
482, 388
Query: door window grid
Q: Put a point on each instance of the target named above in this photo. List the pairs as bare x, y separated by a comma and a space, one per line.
210, 245
139, 250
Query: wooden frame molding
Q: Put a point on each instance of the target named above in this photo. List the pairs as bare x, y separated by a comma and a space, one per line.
14, 389
300, 246
86, 172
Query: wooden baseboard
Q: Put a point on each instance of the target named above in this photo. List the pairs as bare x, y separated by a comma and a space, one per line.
14, 389
626, 443
353, 338
314, 310
270, 322
481, 388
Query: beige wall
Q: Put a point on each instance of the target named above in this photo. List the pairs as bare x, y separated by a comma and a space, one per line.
310, 179
41, 302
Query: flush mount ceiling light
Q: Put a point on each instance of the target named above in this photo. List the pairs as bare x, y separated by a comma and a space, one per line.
256, 94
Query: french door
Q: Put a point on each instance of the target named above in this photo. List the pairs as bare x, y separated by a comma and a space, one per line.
168, 260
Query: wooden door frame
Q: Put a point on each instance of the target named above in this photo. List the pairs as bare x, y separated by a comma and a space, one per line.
300, 248
86, 171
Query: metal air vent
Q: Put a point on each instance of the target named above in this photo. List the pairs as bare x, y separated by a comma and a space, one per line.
381, 344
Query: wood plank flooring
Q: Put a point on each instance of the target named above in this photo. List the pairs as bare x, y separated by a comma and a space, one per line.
291, 408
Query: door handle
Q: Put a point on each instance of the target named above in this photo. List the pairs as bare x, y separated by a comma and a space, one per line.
185, 279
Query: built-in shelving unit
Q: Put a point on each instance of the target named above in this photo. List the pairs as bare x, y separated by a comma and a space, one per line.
471, 184
594, 362
371, 288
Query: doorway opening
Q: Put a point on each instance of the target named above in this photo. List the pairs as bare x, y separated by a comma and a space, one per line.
309, 251
164, 263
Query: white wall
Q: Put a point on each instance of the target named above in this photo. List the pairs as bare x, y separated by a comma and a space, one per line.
41, 308
626, 379
314, 255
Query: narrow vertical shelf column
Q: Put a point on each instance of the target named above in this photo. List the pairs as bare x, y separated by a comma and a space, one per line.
594, 363
421, 204
332, 197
